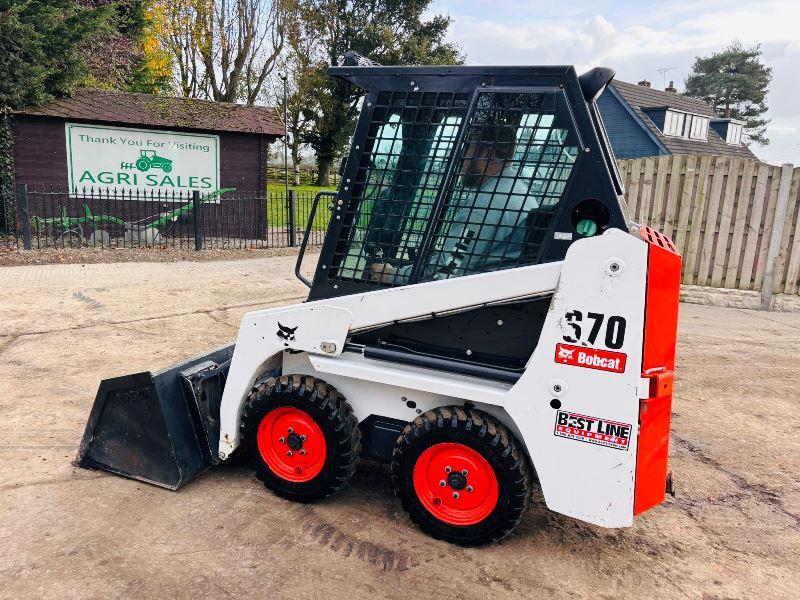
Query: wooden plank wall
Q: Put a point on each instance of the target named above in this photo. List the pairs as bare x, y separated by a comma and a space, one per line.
719, 211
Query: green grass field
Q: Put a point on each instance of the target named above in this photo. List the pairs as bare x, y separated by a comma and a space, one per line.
276, 208
277, 188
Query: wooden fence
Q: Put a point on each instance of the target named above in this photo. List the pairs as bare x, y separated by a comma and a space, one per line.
734, 221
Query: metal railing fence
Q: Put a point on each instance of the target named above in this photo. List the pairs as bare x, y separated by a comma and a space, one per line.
35, 217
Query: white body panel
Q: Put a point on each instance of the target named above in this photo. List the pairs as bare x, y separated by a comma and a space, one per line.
582, 473
331, 320
581, 479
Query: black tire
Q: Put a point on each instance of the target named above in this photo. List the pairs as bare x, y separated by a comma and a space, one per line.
331, 413
486, 436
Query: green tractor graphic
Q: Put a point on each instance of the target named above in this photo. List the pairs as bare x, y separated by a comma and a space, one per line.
148, 159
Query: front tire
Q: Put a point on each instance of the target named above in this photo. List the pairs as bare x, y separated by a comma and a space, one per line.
461, 476
301, 436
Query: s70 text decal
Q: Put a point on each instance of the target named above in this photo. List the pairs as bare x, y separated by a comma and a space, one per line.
587, 331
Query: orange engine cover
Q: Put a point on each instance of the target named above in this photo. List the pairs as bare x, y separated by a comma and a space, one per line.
658, 364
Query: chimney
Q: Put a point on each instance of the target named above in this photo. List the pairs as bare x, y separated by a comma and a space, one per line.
644, 83
671, 89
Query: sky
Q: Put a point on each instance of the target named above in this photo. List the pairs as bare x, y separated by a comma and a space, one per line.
639, 38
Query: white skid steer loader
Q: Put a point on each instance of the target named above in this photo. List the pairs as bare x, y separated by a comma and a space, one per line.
482, 316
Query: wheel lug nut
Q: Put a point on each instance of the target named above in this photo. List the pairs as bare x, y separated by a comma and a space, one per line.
455, 495
465, 472
442, 483
290, 430
303, 452
469, 489
302, 438
282, 440
447, 469
289, 453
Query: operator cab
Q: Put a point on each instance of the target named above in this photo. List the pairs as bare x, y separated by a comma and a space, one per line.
455, 171
462, 170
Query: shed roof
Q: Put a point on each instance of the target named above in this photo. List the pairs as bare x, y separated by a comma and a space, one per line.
641, 98
89, 104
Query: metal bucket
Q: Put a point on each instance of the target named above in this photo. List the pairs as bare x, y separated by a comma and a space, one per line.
161, 428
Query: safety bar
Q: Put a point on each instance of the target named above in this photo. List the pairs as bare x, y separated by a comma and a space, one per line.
302, 251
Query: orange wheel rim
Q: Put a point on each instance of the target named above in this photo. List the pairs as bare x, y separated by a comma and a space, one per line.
456, 484
292, 444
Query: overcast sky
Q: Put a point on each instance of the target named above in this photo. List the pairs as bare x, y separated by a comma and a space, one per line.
639, 38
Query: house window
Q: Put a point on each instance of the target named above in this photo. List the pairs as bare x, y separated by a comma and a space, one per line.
685, 125
673, 123
698, 128
734, 134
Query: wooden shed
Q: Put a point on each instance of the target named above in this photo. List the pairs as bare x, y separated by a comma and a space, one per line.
137, 158
152, 125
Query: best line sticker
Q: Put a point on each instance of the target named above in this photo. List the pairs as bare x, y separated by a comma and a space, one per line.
592, 430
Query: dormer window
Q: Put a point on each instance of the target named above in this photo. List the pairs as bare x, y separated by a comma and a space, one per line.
685, 125
729, 130
734, 134
673, 123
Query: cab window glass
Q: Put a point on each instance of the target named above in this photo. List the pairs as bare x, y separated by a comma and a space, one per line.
514, 164
409, 143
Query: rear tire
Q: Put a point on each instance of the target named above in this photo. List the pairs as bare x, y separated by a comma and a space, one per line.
310, 419
484, 470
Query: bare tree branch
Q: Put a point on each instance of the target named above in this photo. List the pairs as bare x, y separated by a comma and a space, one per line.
224, 49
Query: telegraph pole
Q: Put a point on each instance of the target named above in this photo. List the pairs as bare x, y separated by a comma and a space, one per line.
284, 77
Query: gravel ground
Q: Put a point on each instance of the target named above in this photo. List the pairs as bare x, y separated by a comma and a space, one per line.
732, 531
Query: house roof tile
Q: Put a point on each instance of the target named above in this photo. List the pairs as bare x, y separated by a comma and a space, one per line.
641, 98
90, 104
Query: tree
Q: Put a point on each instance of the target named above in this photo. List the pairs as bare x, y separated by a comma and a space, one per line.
41, 48
125, 56
735, 83
155, 71
41, 57
224, 49
387, 31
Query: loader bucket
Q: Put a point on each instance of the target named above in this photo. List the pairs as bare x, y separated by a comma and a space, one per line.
161, 428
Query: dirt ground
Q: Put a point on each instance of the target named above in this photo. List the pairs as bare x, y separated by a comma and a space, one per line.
11, 256
733, 531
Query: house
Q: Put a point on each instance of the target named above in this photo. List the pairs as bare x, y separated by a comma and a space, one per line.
143, 142
642, 121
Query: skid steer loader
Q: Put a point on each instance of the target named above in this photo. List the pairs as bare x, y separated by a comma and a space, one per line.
482, 316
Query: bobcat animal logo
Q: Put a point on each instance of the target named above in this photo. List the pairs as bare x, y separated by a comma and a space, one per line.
286, 333
564, 354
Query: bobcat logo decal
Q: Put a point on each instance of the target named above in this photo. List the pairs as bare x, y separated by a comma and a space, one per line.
286, 333
564, 354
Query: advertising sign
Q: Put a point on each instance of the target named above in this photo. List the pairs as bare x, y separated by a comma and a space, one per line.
126, 159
